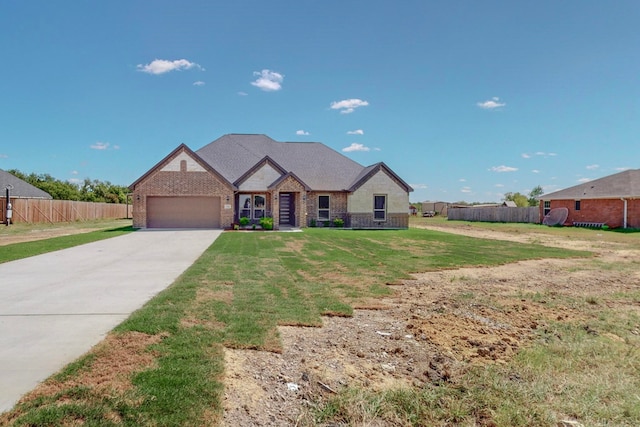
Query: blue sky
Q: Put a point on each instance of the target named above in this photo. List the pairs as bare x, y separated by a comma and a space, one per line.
465, 100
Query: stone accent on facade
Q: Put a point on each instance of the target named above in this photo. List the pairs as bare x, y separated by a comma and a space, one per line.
365, 220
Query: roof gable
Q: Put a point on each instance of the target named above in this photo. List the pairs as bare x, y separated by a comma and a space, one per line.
622, 184
265, 165
169, 162
370, 171
287, 175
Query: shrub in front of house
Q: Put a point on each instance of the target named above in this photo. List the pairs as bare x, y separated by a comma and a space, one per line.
244, 221
338, 222
266, 223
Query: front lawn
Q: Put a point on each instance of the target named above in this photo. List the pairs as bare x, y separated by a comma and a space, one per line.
236, 294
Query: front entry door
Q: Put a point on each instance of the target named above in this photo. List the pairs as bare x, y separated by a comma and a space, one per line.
287, 209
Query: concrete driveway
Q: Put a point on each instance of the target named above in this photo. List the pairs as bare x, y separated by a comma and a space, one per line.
55, 307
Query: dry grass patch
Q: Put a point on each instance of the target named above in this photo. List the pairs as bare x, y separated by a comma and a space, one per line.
103, 373
113, 362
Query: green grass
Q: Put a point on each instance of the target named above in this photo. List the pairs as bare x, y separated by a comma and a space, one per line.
21, 250
245, 285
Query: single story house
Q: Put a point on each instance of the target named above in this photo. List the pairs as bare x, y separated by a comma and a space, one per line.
613, 200
245, 175
18, 189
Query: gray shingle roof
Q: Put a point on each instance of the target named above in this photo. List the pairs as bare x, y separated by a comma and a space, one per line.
21, 189
320, 167
623, 184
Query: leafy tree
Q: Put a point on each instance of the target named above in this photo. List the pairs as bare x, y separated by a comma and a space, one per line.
88, 191
534, 194
520, 199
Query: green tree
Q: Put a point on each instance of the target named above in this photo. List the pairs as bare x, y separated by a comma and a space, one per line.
534, 194
520, 199
89, 191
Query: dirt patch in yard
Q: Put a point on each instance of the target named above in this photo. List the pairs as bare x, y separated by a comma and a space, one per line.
429, 330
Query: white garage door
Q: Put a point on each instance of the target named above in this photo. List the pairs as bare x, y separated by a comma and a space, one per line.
183, 212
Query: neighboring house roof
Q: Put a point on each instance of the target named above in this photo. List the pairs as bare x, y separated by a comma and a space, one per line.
19, 188
316, 165
510, 204
619, 185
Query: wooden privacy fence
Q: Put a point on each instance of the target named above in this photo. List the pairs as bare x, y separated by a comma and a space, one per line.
52, 211
496, 214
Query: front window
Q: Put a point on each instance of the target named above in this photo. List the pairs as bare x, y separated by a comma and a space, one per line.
252, 206
245, 205
577, 205
379, 207
324, 213
258, 205
547, 207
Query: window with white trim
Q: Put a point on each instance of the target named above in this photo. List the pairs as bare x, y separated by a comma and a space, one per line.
324, 212
380, 207
547, 207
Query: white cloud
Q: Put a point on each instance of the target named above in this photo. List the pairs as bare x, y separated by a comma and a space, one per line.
355, 147
199, 83
465, 190
503, 168
499, 185
526, 156
302, 132
161, 66
355, 132
268, 81
593, 167
74, 172
104, 146
347, 106
621, 169
243, 93
535, 171
3, 156
462, 180
419, 186
100, 145
75, 180
583, 180
542, 153
491, 104
377, 149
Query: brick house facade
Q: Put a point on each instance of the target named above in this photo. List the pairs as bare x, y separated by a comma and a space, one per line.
252, 176
613, 200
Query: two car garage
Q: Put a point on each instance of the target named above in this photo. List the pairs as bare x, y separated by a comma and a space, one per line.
183, 212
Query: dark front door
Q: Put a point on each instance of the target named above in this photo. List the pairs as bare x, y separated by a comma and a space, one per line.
287, 209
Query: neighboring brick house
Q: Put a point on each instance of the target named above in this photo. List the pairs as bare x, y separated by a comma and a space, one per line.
297, 183
613, 200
